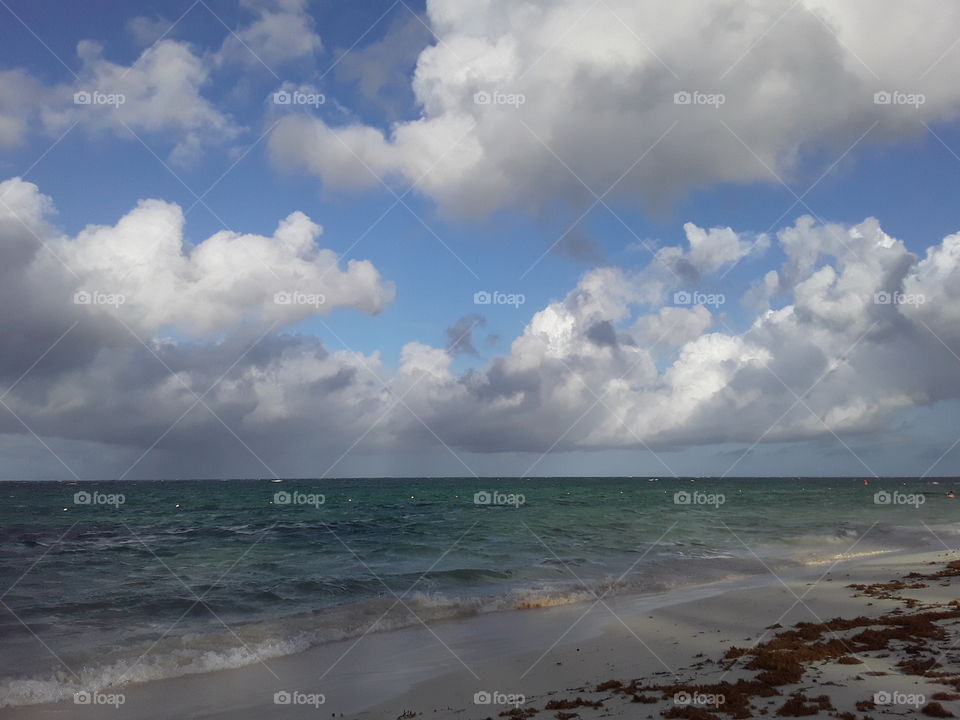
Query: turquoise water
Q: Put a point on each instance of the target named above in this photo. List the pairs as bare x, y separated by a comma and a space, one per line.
141, 580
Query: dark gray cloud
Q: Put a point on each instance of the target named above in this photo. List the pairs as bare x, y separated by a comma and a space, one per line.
460, 336
580, 246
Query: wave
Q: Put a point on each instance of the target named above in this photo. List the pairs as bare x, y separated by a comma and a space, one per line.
145, 660
251, 643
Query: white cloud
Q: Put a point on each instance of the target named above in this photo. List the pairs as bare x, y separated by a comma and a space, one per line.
283, 31
599, 85
610, 365
228, 280
869, 359
147, 31
160, 93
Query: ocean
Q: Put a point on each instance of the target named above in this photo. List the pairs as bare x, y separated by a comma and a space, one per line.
109, 583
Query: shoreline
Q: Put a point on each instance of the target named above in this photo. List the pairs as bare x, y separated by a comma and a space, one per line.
341, 626
696, 646
440, 668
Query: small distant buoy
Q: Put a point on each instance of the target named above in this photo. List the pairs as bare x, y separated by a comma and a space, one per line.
178, 504
349, 499
66, 510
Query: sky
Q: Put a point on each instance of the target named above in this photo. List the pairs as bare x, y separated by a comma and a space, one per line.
281, 238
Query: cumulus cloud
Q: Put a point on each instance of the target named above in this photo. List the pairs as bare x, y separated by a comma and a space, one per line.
851, 333
573, 95
859, 341
161, 93
283, 31
135, 328
709, 251
160, 282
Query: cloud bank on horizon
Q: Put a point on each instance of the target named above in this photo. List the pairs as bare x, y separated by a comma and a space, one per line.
625, 359
131, 335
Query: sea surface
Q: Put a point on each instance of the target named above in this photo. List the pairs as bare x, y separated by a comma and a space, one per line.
108, 583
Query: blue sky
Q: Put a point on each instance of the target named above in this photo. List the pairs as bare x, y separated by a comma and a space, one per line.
502, 224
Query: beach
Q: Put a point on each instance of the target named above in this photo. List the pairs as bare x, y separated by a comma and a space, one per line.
479, 360
687, 644
605, 659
